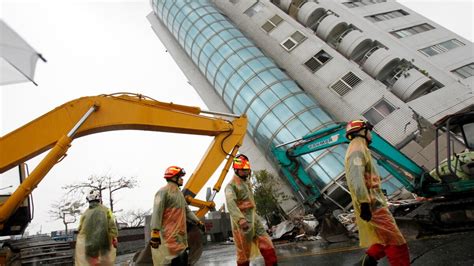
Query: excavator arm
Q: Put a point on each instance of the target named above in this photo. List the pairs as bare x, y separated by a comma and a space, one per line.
332, 136
56, 130
450, 204
412, 176
387, 157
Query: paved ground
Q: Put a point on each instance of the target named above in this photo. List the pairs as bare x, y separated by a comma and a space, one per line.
453, 249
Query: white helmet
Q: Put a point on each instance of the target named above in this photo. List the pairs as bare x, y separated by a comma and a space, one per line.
93, 195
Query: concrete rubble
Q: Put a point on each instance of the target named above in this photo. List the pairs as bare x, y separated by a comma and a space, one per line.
336, 226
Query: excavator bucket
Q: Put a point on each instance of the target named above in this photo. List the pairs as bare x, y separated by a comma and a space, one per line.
332, 231
195, 244
143, 257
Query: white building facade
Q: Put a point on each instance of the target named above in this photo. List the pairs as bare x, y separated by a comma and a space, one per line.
298, 66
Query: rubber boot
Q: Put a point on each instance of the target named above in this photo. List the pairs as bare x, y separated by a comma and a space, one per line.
269, 256
398, 255
366, 260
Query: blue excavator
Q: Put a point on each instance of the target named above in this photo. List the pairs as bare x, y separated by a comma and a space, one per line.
447, 190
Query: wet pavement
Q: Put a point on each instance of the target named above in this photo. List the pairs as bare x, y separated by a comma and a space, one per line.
451, 249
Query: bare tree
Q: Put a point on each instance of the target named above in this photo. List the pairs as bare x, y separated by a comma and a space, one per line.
101, 183
66, 210
134, 218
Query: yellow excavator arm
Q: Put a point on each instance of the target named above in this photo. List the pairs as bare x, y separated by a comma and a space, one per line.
56, 130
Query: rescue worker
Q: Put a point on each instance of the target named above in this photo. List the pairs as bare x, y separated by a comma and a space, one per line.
248, 232
169, 241
377, 228
96, 243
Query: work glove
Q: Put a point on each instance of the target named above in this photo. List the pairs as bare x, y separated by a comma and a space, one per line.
155, 240
115, 242
201, 226
244, 225
365, 213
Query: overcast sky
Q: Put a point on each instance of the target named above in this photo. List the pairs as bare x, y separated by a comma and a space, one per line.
97, 47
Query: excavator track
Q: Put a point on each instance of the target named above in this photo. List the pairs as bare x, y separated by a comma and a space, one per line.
443, 215
40, 250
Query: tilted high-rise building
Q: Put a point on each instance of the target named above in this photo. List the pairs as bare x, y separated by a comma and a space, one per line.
297, 66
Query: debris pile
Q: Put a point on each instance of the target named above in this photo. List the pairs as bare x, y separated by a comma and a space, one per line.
296, 229
332, 227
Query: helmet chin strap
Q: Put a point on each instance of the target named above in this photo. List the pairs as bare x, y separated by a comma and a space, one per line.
364, 136
175, 179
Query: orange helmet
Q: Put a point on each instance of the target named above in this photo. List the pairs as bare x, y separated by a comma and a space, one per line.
241, 162
173, 171
356, 126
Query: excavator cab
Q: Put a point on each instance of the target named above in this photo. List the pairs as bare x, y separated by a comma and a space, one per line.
468, 132
459, 133
17, 223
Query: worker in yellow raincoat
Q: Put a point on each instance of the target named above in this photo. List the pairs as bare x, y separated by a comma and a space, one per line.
250, 237
377, 228
169, 240
96, 243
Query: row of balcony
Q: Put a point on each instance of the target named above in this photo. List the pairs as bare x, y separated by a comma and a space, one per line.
402, 78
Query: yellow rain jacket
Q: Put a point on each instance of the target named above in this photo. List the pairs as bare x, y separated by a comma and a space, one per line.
241, 205
170, 211
97, 228
364, 185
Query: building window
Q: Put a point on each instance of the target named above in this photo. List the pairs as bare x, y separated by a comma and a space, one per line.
298, 37
412, 30
293, 41
346, 84
272, 23
317, 61
387, 15
465, 71
352, 4
289, 44
379, 111
254, 9
441, 47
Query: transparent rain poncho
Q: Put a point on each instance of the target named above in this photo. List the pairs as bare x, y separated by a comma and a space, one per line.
364, 185
170, 212
241, 205
97, 228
